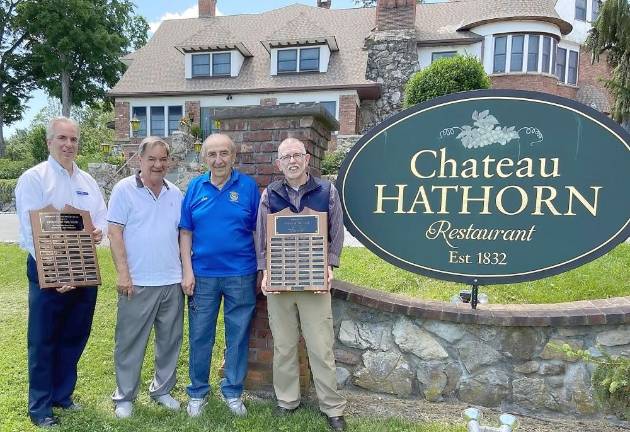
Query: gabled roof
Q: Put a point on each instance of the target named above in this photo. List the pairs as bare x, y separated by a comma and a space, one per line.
158, 68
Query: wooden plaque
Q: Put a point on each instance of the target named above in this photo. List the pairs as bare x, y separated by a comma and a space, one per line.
64, 247
297, 251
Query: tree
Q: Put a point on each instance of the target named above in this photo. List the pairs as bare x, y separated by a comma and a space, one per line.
444, 76
76, 45
611, 35
16, 81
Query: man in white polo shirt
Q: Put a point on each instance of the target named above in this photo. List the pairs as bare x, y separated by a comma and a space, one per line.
143, 216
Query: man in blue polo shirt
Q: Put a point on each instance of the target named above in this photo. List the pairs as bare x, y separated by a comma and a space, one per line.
217, 224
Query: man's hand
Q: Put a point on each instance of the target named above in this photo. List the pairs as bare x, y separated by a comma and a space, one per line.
188, 283
97, 235
263, 283
65, 288
124, 285
330, 279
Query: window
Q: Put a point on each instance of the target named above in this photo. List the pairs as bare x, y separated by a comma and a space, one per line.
309, 59
561, 64
516, 57
499, 54
595, 9
201, 65
580, 10
221, 64
157, 121
287, 60
140, 113
442, 54
174, 116
532, 53
572, 69
331, 107
546, 54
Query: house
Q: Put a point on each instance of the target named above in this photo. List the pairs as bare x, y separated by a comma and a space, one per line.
354, 61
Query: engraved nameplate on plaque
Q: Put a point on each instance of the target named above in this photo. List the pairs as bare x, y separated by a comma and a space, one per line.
64, 248
297, 251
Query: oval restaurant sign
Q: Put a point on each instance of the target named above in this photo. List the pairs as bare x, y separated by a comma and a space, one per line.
489, 187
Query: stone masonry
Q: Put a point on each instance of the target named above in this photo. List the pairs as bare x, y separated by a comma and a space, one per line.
392, 59
498, 356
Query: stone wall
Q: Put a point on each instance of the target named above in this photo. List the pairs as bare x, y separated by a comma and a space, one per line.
392, 58
498, 355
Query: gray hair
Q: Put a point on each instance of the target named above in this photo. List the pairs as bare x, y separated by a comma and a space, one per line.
214, 137
50, 129
290, 140
150, 142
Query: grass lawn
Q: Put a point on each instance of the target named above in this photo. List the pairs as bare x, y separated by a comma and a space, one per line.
607, 276
96, 376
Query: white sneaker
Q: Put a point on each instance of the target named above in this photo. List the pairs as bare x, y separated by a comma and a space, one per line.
123, 409
236, 406
167, 401
195, 406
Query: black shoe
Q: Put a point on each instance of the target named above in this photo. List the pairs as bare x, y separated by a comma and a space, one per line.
282, 411
337, 423
45, 422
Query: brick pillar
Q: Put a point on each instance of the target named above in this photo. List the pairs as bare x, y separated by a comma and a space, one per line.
121, 122
348, 115
257, 132
395, 14
195, 108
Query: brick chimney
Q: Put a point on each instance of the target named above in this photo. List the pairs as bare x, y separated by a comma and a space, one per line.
324, 4
395, 14
207, 8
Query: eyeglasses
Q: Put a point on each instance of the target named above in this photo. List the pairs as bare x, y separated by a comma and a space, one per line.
296, 156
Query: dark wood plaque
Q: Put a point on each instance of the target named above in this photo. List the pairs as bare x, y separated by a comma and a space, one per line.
297, 251
64, 248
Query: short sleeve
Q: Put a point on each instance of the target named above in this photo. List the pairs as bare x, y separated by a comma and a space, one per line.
118, 211
185, 220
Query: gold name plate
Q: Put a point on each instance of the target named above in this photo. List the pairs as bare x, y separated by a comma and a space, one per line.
297, 251
64, 248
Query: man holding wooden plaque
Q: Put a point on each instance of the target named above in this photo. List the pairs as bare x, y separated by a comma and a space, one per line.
299, 236
60, 318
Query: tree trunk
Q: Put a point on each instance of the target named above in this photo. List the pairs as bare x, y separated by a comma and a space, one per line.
66, 102
3, 145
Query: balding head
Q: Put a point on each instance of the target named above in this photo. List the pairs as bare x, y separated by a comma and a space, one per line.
217, 138
292, 143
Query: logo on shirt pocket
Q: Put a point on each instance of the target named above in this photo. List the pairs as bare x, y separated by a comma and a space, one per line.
234, 196
82, 193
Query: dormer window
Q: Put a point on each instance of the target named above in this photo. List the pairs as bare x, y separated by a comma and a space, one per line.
211, 64
308, 60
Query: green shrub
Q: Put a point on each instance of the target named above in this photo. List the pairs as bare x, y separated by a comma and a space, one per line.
18, 147
12, 169
332, 162
445, 76
83, 160
7, 188
611, 379
36, 140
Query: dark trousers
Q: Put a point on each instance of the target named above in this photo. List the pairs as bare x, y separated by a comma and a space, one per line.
58, 329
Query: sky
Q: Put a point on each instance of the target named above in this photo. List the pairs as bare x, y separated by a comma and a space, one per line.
156, 11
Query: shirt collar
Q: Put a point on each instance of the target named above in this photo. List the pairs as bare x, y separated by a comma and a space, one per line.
286, 183
59, 168
234, 175
140, 184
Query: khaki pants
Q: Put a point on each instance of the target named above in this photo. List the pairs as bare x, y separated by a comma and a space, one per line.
288, 312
